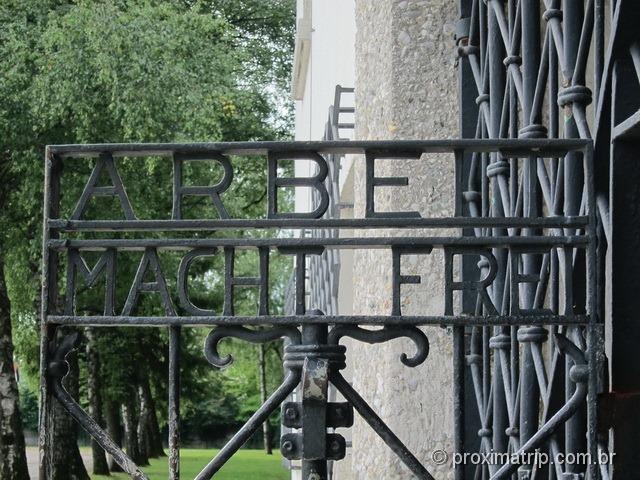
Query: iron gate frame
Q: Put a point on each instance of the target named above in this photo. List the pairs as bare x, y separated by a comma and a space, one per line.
314, 356
522, 64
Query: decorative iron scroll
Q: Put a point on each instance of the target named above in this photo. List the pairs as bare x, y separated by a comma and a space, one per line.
313, 356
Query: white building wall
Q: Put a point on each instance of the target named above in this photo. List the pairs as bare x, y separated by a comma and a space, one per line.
330, 62
324, 58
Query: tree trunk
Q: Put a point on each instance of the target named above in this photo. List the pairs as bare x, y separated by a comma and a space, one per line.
152, 428
114, 428
100, 465
143, 430
13, 460
266, 426
67, 463
130, 423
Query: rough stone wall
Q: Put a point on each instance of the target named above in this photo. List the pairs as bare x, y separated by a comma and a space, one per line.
405, 89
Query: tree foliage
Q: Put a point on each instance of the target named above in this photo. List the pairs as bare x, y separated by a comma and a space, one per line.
139, 71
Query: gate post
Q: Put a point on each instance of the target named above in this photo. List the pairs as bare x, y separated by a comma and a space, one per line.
623, 281
53, 168
313, 445
315, 381
467, 422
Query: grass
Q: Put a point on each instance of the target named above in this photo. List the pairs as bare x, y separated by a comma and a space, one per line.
244, 465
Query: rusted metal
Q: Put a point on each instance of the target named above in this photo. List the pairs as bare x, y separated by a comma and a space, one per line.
313, 356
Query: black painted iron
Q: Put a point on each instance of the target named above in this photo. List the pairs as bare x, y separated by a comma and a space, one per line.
313, 357
524, 69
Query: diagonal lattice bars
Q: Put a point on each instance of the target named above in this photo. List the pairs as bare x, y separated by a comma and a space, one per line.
541, 69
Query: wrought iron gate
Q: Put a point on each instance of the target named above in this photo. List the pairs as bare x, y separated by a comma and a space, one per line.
528, 332
314, 356
531, 69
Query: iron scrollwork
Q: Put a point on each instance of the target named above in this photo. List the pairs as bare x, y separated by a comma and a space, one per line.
313, 366
254, 336
386, 334
58, 369
314, 356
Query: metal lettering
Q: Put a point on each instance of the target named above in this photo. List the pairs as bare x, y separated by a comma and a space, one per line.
397, 278
183, 272
517, 279
151, 261
116, 189
76, 264
371, 181
212, 191
316, 182
479, 286
300, 272
231, 281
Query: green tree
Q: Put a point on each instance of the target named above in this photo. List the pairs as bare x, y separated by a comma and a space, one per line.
128, 71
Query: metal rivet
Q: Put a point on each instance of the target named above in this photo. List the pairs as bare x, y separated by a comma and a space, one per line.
287, 446
291, 413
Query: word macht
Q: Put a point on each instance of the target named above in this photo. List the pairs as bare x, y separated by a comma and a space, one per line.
150, 266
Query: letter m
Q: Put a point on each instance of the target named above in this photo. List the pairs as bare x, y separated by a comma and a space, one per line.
76, 264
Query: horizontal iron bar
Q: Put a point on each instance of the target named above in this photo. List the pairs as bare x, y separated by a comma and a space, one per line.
554, 146
340, 243
219, 224
629, 129
381, 320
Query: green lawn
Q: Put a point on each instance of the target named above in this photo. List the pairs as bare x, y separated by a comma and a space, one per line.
245, 465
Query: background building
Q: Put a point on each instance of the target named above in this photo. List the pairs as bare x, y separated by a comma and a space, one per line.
511, 69
398, 56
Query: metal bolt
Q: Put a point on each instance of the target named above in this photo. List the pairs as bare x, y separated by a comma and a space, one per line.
287, 446
335, 446
339, 412
291, 413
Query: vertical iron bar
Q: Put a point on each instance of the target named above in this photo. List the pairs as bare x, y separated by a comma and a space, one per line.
48, 302
467, 423
174, 402
458, 398
594, 345
573, 14
497, 85
529, 389
314, 469
554, 117
598, 33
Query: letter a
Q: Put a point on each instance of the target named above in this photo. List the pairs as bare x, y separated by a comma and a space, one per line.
151, 261
116, 189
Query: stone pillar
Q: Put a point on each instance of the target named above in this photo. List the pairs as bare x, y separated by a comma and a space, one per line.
406, 88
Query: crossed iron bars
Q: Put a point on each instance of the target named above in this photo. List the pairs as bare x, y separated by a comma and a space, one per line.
313, 359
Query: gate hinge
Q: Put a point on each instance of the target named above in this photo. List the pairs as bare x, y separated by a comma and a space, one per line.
292, 447
339, 415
